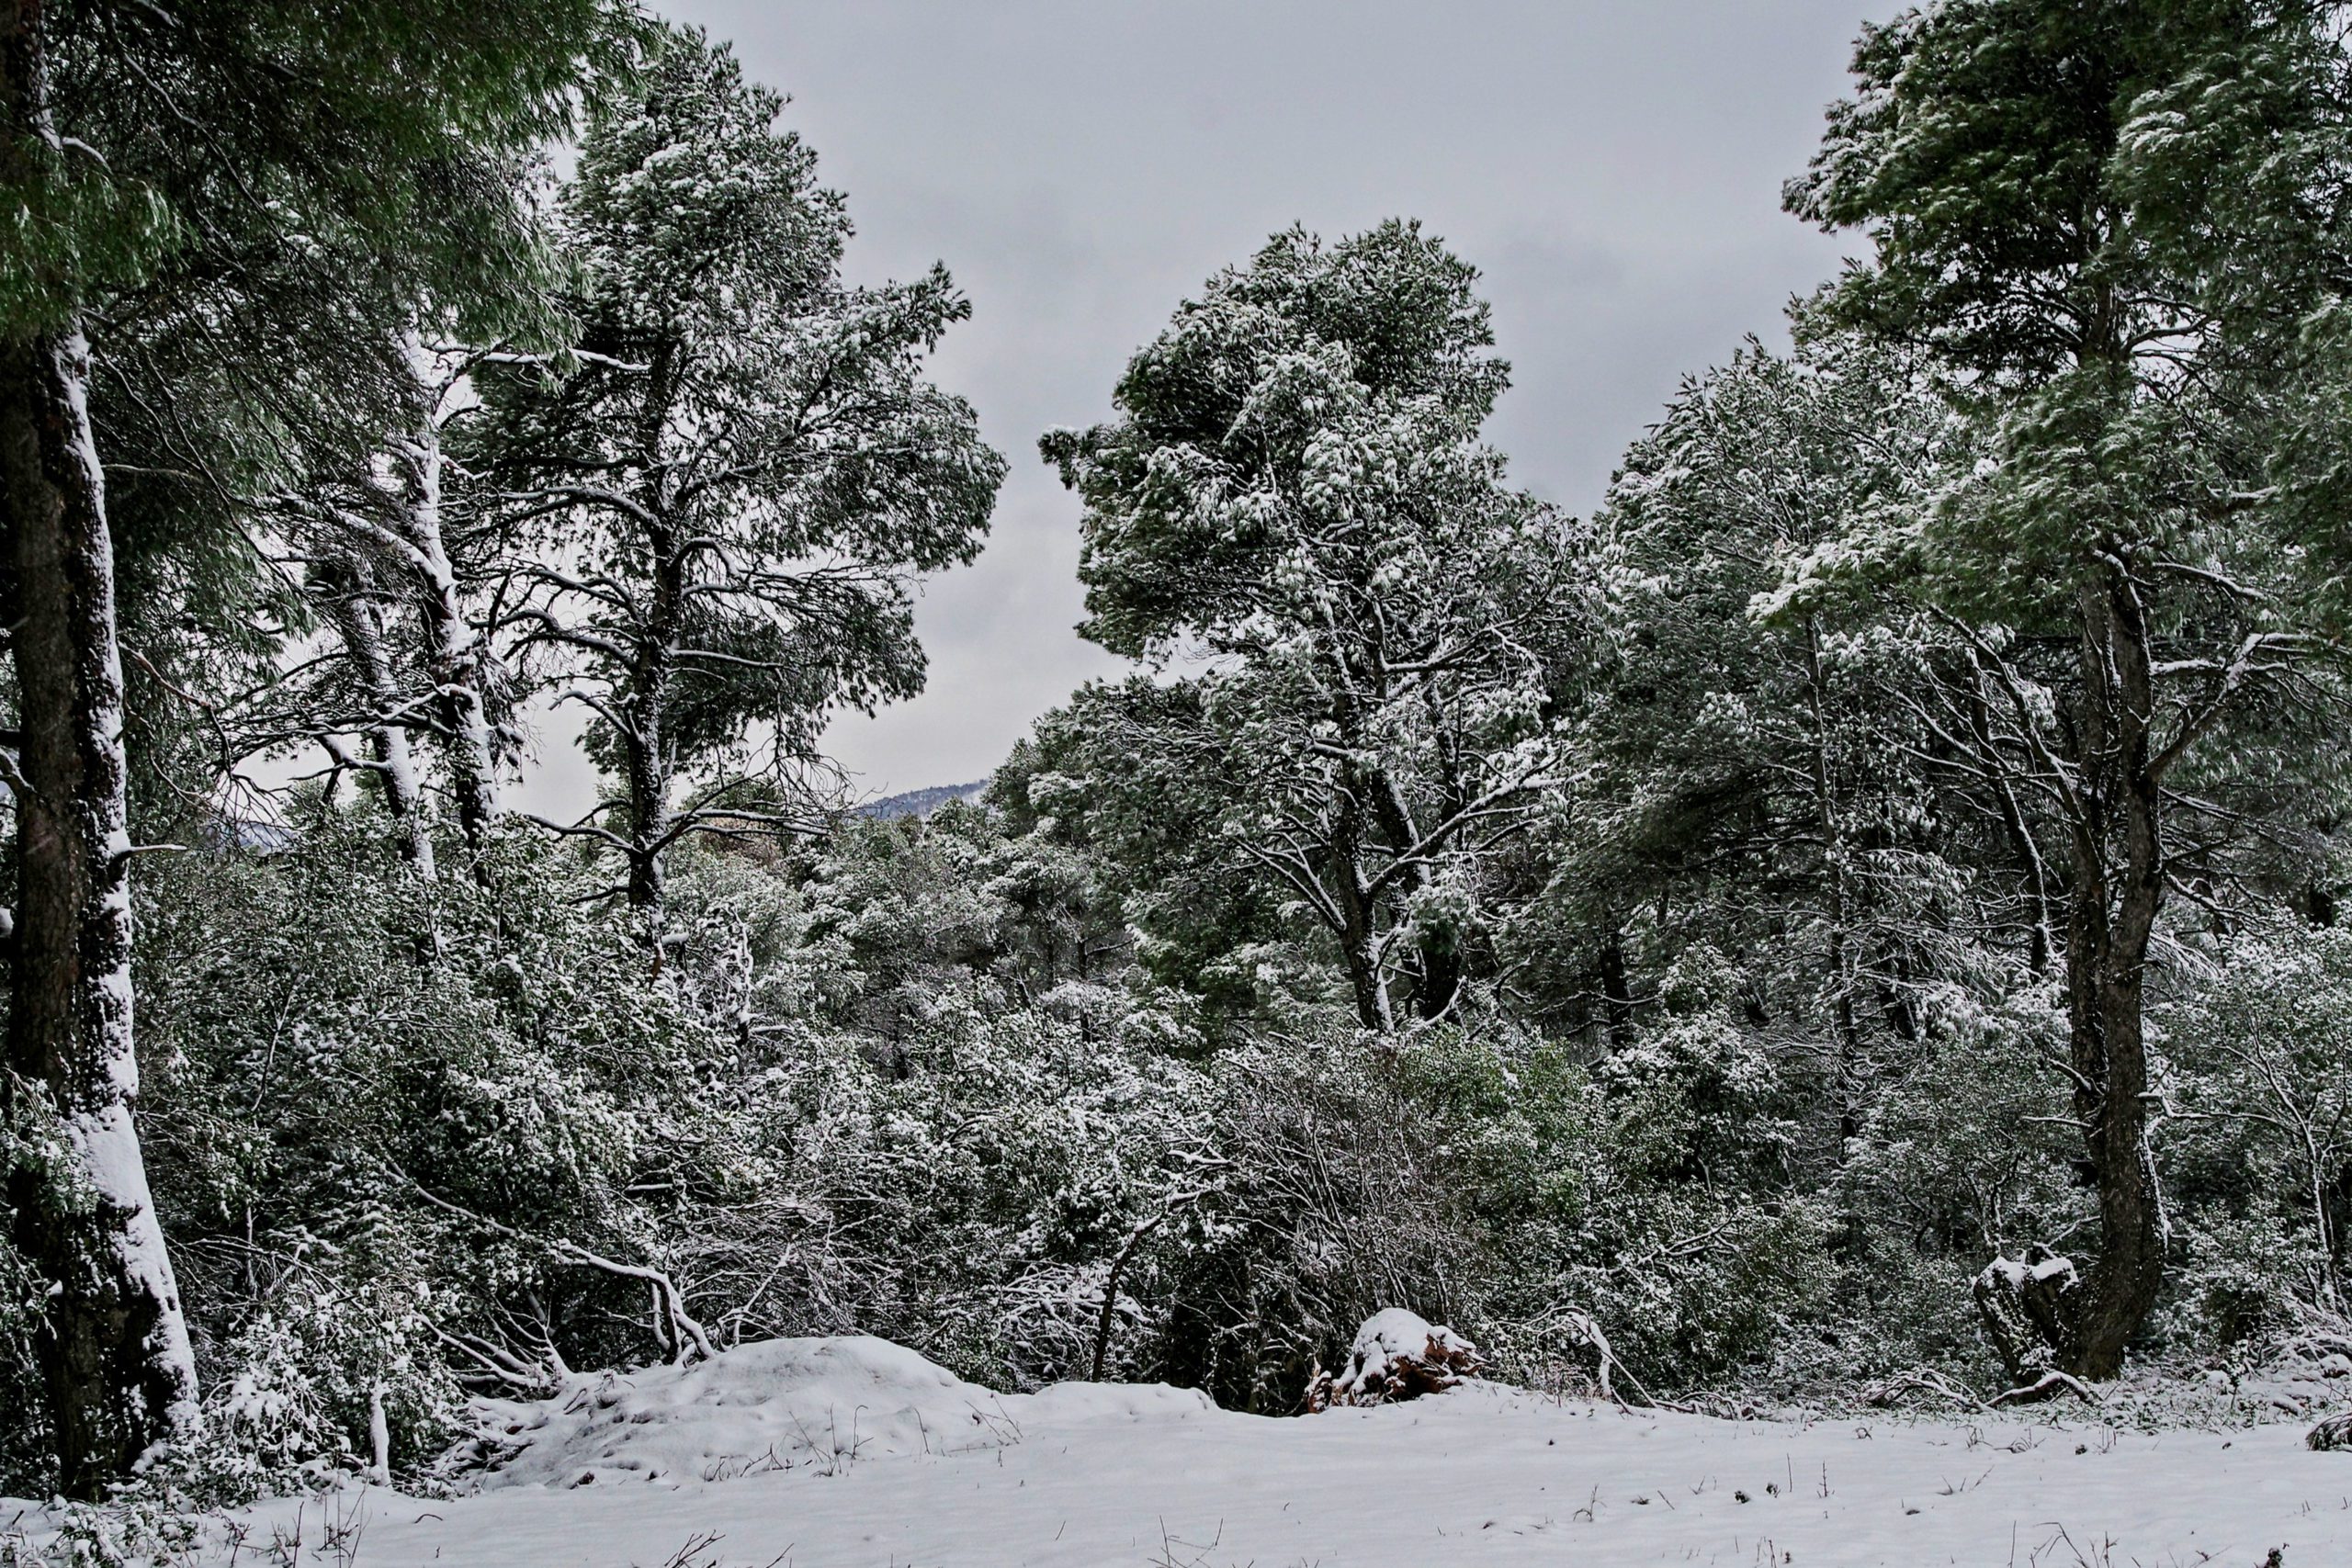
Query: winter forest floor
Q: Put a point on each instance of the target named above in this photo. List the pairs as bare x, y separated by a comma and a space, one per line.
867, 1457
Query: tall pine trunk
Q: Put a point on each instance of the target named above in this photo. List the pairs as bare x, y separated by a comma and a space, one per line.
647, 778
113, 1347
1440, 954
112, 1343
455, 658
650, 767
1359, 933
649, 758
2114, 903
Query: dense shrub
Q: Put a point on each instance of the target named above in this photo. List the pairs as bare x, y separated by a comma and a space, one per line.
416, 1138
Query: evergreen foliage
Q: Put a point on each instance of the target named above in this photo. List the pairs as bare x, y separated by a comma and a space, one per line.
725, 489
1696, 951
1296, 489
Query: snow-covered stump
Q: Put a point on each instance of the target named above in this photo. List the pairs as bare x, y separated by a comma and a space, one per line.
2027, 1306
1396, 1355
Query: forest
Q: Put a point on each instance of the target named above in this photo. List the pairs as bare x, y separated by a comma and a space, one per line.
1858, 920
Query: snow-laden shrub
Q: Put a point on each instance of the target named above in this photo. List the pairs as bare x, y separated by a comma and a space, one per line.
336, 1357
971, 1201
2258, 1149
413, 1138
375, 1107
1329, 1210
1962, 1153
26, 1465
1497, 1183
1647, 1191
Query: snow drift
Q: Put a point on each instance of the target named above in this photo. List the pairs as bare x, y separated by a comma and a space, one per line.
822, 1403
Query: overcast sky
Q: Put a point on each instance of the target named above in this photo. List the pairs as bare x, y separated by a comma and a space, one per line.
1613, 166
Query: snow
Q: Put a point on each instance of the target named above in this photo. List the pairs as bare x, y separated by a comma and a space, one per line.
1086, 1475
2018, 1275
783, 1403
1393, 1332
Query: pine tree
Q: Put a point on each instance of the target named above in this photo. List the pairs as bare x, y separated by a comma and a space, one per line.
146, 146
1296, 486
729, 488
1752, 726
2110, 226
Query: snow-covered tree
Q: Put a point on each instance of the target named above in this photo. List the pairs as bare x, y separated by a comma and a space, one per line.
730, 487
1295, 489
2117, 230
2258, 1109
152, 152
371, 539
1757, 775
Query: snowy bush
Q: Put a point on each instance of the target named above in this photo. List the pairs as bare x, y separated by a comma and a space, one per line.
969, 1201
421, 1140
340, 1356
2259, 1141
26, 1467
415, 1139
1494, 1182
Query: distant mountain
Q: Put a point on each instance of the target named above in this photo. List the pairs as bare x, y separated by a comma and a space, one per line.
259, 837
253, 835
923, 802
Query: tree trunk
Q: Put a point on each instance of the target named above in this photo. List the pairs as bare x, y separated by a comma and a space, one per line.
1616, 991
2114, 903
1440, 954
648, 812
112, 1343
2028, 1308
1358, 934
455, 655
649, 764
358, 618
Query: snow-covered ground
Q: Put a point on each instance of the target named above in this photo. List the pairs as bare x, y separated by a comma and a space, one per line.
859, 1454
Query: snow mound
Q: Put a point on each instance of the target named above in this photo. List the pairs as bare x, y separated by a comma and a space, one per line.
824, 1404
1396, 1355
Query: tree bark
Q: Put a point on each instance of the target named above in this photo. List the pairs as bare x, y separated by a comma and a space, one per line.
2113, 907
1616, 991
358, 617
648, 809
1439, 955
112, 1343
1359, 934
650, 772
113, 1347
455, 655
